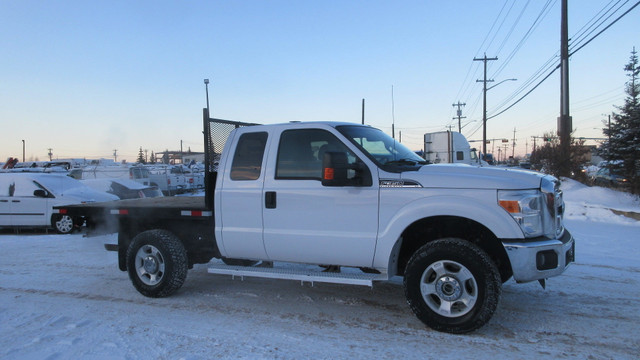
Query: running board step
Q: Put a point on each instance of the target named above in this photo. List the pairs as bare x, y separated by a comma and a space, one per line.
296, 274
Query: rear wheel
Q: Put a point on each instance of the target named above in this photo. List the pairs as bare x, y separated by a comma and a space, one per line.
63, 224
452, 285
157, 263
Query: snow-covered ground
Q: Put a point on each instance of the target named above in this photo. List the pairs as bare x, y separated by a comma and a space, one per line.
63, 297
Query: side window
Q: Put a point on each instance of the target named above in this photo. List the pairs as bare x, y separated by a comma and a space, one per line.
247, 161
300, 153
459, 155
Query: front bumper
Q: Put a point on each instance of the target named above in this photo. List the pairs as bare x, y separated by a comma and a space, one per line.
542, 258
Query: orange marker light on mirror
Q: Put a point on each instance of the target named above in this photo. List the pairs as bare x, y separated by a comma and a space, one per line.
328, 173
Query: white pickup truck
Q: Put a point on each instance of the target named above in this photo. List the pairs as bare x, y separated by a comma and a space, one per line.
326, 193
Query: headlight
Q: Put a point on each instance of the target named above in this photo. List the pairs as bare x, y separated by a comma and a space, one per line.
526, 208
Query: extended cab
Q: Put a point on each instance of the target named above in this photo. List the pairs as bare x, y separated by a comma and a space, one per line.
350, 195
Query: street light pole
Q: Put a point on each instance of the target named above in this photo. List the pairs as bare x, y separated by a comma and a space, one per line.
206, 85
22, 150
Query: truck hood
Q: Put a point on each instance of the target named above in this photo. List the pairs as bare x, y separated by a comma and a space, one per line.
86, 194
473, 177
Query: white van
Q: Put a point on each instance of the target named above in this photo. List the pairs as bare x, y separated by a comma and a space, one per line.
27, 200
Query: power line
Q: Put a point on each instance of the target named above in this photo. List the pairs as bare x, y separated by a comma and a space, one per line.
541, 15
570, 54
593, 24
466, 83
515, 23
551, 65
528, 92
603, 30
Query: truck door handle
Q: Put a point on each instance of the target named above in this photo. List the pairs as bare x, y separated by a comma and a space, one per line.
270, 199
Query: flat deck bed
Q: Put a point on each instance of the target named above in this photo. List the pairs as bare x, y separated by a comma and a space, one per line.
169, 206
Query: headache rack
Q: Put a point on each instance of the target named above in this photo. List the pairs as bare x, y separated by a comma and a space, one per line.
216, 132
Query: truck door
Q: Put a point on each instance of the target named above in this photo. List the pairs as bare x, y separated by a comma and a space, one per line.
305, 221
240, 204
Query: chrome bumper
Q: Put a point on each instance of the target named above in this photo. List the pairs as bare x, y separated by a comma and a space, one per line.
540, 259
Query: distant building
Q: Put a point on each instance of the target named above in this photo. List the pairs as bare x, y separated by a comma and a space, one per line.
179, 157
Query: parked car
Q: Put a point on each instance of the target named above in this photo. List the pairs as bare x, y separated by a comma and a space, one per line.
27, 200
123, 188
609, 178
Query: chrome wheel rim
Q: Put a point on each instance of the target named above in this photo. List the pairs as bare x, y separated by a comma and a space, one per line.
150, 265
64, 224
449, 288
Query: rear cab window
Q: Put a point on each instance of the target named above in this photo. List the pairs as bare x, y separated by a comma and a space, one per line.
248, 157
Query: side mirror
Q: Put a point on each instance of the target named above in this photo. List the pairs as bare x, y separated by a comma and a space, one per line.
41, 193
334, 169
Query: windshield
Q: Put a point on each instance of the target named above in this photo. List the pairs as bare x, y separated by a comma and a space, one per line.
58, 184
380, 147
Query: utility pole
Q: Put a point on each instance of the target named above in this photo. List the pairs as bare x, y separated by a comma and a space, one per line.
459, 115
513, 148
23, 149
362, 111
484, 101
564, 121
50, 154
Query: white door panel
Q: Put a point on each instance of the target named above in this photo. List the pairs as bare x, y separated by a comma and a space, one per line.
311, 223
30, 211
322, 225
242, 221
241, 201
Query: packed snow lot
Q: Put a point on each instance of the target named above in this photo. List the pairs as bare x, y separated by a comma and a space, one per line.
63, 297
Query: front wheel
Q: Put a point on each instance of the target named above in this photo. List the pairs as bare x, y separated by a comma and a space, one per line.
452, 285
157, 263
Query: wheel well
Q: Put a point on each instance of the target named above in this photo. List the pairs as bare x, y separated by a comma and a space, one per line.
426, 230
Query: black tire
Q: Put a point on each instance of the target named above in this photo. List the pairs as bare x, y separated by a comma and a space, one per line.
64, 224
452, 285
157, 263
238, 262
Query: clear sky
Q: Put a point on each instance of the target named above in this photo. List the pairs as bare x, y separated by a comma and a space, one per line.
86, 77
